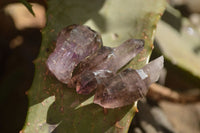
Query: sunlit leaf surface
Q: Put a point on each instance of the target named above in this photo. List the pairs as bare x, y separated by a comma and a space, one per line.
180, 47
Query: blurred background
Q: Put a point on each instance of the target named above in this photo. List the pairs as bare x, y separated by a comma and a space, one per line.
173, 105
20, 42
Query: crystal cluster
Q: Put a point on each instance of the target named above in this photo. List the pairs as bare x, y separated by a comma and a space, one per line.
105, 62
81, 61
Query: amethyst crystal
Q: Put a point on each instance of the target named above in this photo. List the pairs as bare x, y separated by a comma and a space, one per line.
74, 43
81, 61
105, 62
127, 86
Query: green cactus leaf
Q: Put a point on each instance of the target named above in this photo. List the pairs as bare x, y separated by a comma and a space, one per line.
53, 106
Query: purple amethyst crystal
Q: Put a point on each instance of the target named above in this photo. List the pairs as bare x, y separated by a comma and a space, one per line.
127, 86
74, 43
81, 61
105, 62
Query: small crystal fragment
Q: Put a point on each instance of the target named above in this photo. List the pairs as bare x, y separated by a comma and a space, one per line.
105, 62
74, 43
127, 86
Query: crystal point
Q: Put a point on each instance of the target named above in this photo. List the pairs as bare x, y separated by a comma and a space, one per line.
74, 43
153, 69
127, 86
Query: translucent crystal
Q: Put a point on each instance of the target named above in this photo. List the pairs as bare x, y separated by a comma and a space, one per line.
127, 86
74, 43
103, 63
